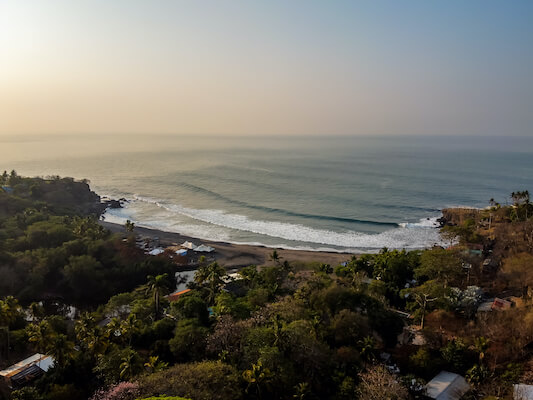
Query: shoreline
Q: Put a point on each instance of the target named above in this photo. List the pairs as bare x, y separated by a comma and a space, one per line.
237, 255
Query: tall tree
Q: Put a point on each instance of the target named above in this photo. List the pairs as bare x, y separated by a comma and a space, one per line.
210, 276
441, 265
130, 365
41, 335
129, 327
157, 285
61, 349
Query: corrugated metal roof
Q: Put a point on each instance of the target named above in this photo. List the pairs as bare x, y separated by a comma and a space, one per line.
447, 386
522, 392
42, 360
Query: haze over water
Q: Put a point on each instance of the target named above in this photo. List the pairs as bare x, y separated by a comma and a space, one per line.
356, 193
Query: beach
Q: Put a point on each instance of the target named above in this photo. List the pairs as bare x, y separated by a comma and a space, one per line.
232, 255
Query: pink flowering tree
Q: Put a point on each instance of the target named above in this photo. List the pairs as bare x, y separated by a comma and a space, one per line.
119, 391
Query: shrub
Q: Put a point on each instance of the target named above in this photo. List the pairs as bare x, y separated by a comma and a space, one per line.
208, 380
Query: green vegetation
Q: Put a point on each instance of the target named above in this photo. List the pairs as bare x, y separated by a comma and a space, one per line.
312, 332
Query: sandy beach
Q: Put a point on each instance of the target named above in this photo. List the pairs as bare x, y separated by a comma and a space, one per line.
237, 255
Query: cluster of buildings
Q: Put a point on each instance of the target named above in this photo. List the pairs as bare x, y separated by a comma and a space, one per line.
184, 251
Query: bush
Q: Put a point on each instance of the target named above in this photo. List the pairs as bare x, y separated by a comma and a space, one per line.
189, 340
208, 380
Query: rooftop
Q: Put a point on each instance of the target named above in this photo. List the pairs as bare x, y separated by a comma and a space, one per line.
41, 360
447, 386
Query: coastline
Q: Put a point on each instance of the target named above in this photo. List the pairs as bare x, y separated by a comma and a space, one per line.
238, 255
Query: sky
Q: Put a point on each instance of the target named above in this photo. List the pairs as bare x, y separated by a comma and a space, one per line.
299, 67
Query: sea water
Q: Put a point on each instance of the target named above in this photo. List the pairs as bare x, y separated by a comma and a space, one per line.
322, 193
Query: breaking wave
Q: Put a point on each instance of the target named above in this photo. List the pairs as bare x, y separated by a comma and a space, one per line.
409, 236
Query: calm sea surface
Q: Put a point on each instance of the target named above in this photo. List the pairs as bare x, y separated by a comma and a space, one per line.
322, 193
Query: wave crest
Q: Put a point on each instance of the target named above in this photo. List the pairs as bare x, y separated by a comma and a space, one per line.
408, 236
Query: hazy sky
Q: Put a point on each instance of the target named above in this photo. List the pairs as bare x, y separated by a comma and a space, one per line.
271, 67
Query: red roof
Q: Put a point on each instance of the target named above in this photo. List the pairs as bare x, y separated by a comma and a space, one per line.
176, 295
501, 304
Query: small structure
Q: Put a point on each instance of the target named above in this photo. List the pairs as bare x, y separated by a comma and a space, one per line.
176, 295
25, 371
204, 249
447, 386
475, 249
235, 276
181, 252
156, 252
501, 304
188, 245
522, 392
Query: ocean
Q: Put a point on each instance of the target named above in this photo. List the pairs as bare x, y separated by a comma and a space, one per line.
356, 194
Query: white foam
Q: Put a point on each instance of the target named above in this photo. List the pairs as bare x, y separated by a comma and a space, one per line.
423, 223
409, 236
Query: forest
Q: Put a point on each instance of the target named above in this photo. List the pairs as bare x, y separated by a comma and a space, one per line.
379, 326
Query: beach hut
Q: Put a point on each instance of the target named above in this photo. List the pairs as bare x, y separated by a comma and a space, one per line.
156, 252
188, 245
447, 386
204, 249
181, 252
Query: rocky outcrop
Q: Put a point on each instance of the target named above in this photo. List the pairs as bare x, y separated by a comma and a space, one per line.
457, 216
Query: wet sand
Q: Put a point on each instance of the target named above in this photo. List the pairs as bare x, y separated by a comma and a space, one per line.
237, 255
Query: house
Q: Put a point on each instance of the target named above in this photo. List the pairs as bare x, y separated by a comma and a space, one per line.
447, 386
501, 304
176, 295
522, 392
26, 371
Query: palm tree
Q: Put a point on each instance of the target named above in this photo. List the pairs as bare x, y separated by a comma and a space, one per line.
210, 275
274, 256
9, 310
277, 324
302, 391
481, 344
129, 327
154, 364
41, 335
113, 329
367, 347
36, 310
129, 365
90, 336
157, 285
61, 349
256, 377
129, 226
